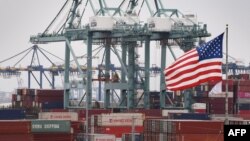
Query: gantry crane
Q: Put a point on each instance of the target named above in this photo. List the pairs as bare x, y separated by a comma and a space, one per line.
119, 26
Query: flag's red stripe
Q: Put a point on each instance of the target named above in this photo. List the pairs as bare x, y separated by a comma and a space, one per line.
195, 76
192, 69
195, 84
183, 59
187, 64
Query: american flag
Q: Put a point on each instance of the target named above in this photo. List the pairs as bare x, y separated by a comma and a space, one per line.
196, 66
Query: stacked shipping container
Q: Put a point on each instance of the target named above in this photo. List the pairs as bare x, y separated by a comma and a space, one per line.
243, 98
117, 123
183, 130
15, 130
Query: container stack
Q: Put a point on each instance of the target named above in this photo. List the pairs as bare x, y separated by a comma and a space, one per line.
76, 125
217, 100
49, 99
51, 130
183, 130
34, 100
117, 123
25, 99
15, 130
214, 101
243, 98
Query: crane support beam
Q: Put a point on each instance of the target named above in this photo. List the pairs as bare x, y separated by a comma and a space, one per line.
66, 76
162, 81
131, 77
89, 70
147, 78
107, 73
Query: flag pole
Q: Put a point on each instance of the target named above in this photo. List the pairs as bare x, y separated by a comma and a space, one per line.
226, 99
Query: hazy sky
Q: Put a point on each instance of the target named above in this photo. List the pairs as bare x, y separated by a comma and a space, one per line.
22, 18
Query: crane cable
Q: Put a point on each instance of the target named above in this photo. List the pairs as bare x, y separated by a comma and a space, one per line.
55, 18
16, 55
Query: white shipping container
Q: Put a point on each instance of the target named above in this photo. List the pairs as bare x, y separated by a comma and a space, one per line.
223, 94
199, 106
101, 23
18, 98
121, 119
243, 100
166, 111
118, 139
103, 137
159, 24
72, 116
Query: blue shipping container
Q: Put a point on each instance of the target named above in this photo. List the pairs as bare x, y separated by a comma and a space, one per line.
192, 116
52, 105
12, 114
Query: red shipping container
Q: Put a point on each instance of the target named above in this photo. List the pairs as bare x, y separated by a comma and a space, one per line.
244, 88
244, 112
211, 84
16, 137
49, 91
14, 97
52, 137
58, 110
242, 94
198, 127
196, 137
244, 76
77, 126
219, 100
244, 82
119, 130
15, 127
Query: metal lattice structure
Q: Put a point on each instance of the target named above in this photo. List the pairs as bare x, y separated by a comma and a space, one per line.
119, 26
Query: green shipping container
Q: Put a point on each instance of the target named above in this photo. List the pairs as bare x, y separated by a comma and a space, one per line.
47, 126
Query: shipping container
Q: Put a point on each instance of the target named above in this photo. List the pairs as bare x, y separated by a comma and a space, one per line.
244, 112
50, 126
199, 107
191, 116
16, 137
95, 137
82, 113
121, 119
72, 116
52, 137
147, 112
77, 126
242, 94
117, 130
222, 94
12, 114
196, 137
15, 127
52, 105
243, 100
165, 112
128, 137
244, 106
198, 127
